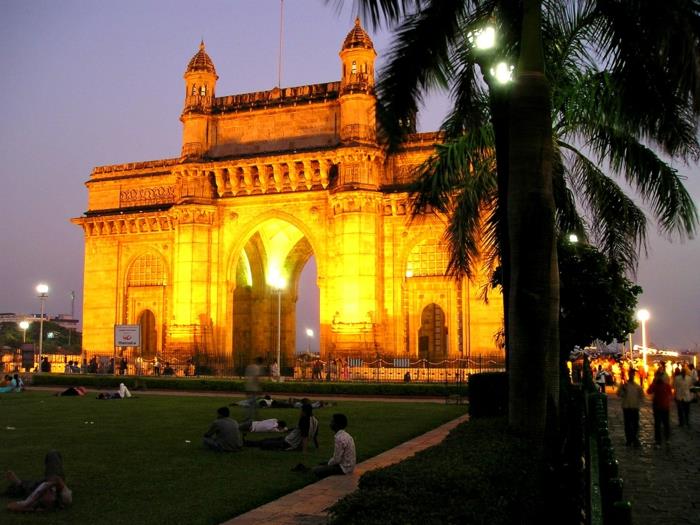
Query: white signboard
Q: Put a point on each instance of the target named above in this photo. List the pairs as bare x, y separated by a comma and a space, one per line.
127, 335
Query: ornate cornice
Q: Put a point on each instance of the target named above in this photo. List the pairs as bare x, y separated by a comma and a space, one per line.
126, 224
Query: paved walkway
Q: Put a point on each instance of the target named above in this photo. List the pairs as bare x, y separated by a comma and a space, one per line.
663, 485
308, 506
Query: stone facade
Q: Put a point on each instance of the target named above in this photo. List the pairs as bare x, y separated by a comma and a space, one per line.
195, 248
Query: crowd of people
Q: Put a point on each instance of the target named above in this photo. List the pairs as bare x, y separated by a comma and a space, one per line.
666, 382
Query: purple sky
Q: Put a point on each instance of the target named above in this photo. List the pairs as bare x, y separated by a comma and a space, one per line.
93, 82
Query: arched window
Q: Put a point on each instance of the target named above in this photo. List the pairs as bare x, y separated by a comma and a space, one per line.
353, 68
194, 90
429, 257
203, 91
147, 270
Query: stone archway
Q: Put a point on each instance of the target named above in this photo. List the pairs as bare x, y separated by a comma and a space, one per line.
432, 335
274, 254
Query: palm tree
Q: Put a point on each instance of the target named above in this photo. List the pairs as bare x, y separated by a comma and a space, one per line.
597, 52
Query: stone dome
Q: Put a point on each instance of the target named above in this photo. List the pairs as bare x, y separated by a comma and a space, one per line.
357, 37
201, 61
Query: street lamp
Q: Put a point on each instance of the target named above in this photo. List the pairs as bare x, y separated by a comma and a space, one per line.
24, 325
42, 291
309, 335
643, 316
573, 238
278, 285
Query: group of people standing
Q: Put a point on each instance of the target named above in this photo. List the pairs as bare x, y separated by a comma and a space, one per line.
663, 390
333, 370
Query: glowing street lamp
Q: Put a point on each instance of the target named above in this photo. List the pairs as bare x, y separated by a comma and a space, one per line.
309, 335
42, 291
643, 316
573, 238
484, 38
279, 285
24, 325
502, 72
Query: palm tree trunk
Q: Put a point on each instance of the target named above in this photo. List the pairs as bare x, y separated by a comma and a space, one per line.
499, 120
534, 280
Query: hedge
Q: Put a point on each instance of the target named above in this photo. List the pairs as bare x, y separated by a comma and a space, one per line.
480, 474
237, 385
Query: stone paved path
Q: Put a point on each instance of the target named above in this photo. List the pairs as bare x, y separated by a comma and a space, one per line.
663, 485
307, 506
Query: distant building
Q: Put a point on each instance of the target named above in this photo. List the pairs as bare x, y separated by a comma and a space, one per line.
193, 248
64, 320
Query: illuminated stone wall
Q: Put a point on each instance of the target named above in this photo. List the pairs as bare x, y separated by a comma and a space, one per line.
192, 247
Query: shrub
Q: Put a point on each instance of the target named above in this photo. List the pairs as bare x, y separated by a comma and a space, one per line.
237, 385
479, 475
488, 394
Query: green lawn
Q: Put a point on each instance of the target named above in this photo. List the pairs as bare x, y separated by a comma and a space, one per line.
130, 463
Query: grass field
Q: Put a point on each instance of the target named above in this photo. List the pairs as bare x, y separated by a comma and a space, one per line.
129, 462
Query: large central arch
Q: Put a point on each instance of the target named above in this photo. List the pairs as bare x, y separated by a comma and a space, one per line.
265, 284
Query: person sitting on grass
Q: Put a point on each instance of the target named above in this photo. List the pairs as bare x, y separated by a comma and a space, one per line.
49, 493
6, 385
223, 435
344, 459
266, 425
297, 439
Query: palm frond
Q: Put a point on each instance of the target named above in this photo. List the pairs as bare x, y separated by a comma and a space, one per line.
658, 183
452, 168
568, 218
617, 225
418, 61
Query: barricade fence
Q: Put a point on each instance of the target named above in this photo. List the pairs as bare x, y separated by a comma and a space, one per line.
355, 369
397, 370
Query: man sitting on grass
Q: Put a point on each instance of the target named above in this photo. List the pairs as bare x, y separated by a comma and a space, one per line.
344, 459
46, 494
223, 435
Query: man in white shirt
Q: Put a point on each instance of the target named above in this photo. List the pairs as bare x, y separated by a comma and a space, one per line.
344, 459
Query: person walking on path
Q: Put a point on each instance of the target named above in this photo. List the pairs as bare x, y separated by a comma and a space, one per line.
252, 386
661, 391
631, 395
681, 385
600, 379
223, 435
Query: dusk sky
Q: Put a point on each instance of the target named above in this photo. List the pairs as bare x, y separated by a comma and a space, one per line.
92, 82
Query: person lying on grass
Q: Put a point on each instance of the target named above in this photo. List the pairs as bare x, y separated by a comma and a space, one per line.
266, 425
49, 493
297, 439
122, 394
223, 435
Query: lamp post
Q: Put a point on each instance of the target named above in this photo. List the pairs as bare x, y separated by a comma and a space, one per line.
24, 325
43, 292
309, 335
278, 285
643, 316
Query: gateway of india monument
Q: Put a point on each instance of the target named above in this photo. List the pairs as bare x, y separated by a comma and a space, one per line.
202, 250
